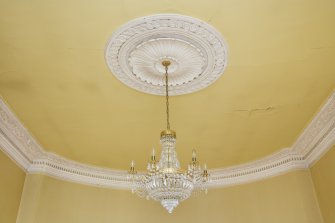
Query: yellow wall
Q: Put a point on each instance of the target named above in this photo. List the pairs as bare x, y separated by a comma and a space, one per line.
11, 184
288, 198
323, 174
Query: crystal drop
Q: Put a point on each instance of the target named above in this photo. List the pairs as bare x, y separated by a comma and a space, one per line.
170, 204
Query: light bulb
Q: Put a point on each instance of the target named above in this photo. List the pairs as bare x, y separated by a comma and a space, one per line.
194, 154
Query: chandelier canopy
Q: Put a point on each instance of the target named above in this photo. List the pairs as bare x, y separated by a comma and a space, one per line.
164, 180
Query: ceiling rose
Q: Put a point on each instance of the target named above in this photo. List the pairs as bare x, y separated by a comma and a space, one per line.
197, 52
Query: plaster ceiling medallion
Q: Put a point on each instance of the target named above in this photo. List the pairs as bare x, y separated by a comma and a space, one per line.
197, 52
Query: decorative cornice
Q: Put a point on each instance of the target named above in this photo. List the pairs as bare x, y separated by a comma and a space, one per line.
59, 167
197, 51
314, 141
284, 161
319, 135
15, 140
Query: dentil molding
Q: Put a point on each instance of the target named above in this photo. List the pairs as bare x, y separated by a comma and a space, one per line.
20, 145
196, 50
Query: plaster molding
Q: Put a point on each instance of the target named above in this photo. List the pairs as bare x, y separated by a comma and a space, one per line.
15, 140
321, 147
187, 61
61, 168
197, 51
319, 136
281, 162
14, 153
20, 145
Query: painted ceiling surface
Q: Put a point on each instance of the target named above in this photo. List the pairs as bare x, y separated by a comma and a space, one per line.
54, 77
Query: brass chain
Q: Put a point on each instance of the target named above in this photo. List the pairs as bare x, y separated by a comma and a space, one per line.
167, 98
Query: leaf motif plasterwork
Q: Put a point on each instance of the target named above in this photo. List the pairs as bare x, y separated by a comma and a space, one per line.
135, 49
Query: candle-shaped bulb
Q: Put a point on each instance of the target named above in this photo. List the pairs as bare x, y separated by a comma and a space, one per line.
153, 155
132, 163
205, 166
194, 154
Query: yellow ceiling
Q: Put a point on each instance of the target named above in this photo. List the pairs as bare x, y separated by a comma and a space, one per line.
54, 77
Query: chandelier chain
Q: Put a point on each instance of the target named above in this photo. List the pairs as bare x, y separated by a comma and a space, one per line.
167, 98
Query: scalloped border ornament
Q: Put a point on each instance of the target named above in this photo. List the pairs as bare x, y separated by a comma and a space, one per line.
193, 71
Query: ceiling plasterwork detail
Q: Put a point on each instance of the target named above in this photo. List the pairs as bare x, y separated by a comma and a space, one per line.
197, 51
315, 140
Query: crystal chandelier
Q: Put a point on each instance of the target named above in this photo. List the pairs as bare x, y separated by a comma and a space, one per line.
165, 181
